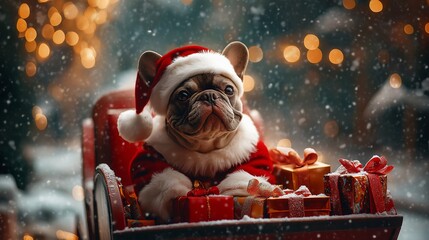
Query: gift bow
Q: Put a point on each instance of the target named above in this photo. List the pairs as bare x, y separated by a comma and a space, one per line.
301, 191
376, 165
290, 156
199, 190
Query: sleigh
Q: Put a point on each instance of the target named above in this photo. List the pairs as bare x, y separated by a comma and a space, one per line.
106, 161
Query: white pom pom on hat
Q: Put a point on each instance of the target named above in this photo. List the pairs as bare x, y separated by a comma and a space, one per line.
135, 127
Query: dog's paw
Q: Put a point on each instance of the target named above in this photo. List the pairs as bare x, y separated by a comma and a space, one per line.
157, 195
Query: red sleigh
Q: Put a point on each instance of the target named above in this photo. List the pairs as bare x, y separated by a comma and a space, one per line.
106, 157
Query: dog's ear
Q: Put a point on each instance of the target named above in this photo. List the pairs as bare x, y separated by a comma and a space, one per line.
238, 55
147, 66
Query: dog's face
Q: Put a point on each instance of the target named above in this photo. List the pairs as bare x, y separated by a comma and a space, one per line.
204, 108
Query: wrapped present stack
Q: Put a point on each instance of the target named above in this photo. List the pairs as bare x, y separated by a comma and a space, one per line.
356, 189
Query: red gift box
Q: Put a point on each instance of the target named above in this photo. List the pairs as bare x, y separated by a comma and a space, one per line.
203, 208
355, 189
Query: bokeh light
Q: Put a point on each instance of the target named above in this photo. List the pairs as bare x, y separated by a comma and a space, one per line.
248, 83
349, 4
291, 53
48, 31
87, 56
21, 25
30, 34
187, 2
30, 46
30, 69
77, 193
314, 56
70, 11
331, 128
395, 80
24, 11
408, 29
336, 56
55, 19
311, 41
58, 37
427, 27
375, 6
72, 38
255, 54
41, 121
43, 50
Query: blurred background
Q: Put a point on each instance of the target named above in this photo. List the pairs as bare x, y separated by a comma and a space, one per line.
349, 78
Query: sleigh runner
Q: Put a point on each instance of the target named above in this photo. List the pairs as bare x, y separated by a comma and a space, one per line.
111, 212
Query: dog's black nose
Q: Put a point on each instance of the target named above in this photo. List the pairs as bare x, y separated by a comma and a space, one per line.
209, 96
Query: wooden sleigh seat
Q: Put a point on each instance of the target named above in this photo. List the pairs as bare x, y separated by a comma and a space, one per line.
107, 157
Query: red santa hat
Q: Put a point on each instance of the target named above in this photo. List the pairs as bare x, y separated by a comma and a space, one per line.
171, 70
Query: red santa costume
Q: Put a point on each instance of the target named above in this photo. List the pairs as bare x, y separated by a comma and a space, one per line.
164, 169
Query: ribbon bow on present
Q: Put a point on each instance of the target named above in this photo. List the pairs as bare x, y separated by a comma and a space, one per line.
287, 155
199, 190
375, 167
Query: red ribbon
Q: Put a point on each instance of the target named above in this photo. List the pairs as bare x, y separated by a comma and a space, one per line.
287, 155
375, 167
199, 192
296, 201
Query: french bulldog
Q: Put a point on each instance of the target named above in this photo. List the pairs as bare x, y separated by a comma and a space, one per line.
200, 131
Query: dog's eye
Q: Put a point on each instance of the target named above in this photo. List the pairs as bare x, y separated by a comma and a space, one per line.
182, 95
229, 90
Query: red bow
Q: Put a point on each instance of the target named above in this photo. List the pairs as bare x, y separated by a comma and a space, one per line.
290, 156
376, 165
198, 192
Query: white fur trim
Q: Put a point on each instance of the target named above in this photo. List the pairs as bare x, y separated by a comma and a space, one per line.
157, 195
236, 183
205, 164
185, 67
135, 127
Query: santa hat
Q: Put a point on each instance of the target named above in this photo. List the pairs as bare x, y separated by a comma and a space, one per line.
171, 70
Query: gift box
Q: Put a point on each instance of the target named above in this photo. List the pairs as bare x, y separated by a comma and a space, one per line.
354, 189
203, 208
254, 207
292, 177
292, 171
298, 205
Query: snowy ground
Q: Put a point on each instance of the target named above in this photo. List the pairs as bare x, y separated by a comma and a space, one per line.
54, 198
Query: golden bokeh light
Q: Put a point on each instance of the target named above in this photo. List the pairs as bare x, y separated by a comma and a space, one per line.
55, 19
336, 56
30, 69
77, 193
65, 235
408, 29
375, 6
82, 22
395, 80
91, 28
248, 83
24, 11
21, 25
48, 31
349, 4
27, 237
51, 11
56, 92
331, 128
70, 11
72, 38
43, 50
87, 57
284, 143
427, 27
30, 34
41, 121
314, 56
291, 53
311, 41
58, 37
30, 46
255, 54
